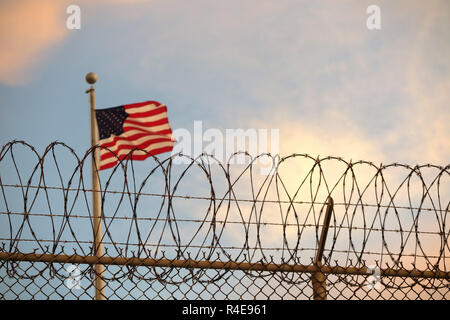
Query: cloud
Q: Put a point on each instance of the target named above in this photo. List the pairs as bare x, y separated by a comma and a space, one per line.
28, 29
383, 97
426, 122
126, 1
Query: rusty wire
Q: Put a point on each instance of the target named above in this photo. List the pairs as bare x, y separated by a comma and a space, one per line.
394, 219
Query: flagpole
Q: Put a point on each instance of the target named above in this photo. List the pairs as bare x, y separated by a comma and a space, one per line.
91, 78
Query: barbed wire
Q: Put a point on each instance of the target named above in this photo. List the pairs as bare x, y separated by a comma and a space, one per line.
393, 215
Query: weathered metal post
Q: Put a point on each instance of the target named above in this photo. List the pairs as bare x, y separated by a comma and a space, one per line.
318, 279
91, 78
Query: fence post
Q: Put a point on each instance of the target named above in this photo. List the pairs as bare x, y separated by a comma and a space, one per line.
318, 279
91, 78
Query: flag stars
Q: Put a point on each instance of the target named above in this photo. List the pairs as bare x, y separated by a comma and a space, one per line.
110, 121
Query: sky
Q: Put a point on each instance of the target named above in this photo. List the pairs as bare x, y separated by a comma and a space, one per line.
311, 69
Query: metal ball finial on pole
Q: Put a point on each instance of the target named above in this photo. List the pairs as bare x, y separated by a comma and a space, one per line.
92, 78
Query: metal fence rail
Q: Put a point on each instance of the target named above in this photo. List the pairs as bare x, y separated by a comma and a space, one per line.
320, 228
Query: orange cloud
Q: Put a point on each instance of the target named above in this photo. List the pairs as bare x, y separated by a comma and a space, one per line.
27, 30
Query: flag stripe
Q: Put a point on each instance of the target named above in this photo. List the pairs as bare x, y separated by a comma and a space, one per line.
124, 153
111, 164
130, 126
148, 117
140, 104
147, 123
140, 107
167, 131
130, 135
144, 112
141, 143
137, 154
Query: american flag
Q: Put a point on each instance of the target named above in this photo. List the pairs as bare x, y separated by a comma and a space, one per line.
142, 125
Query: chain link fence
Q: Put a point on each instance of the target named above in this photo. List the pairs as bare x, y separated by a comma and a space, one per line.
260, 227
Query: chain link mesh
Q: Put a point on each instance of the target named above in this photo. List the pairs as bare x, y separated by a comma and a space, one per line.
192, 228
